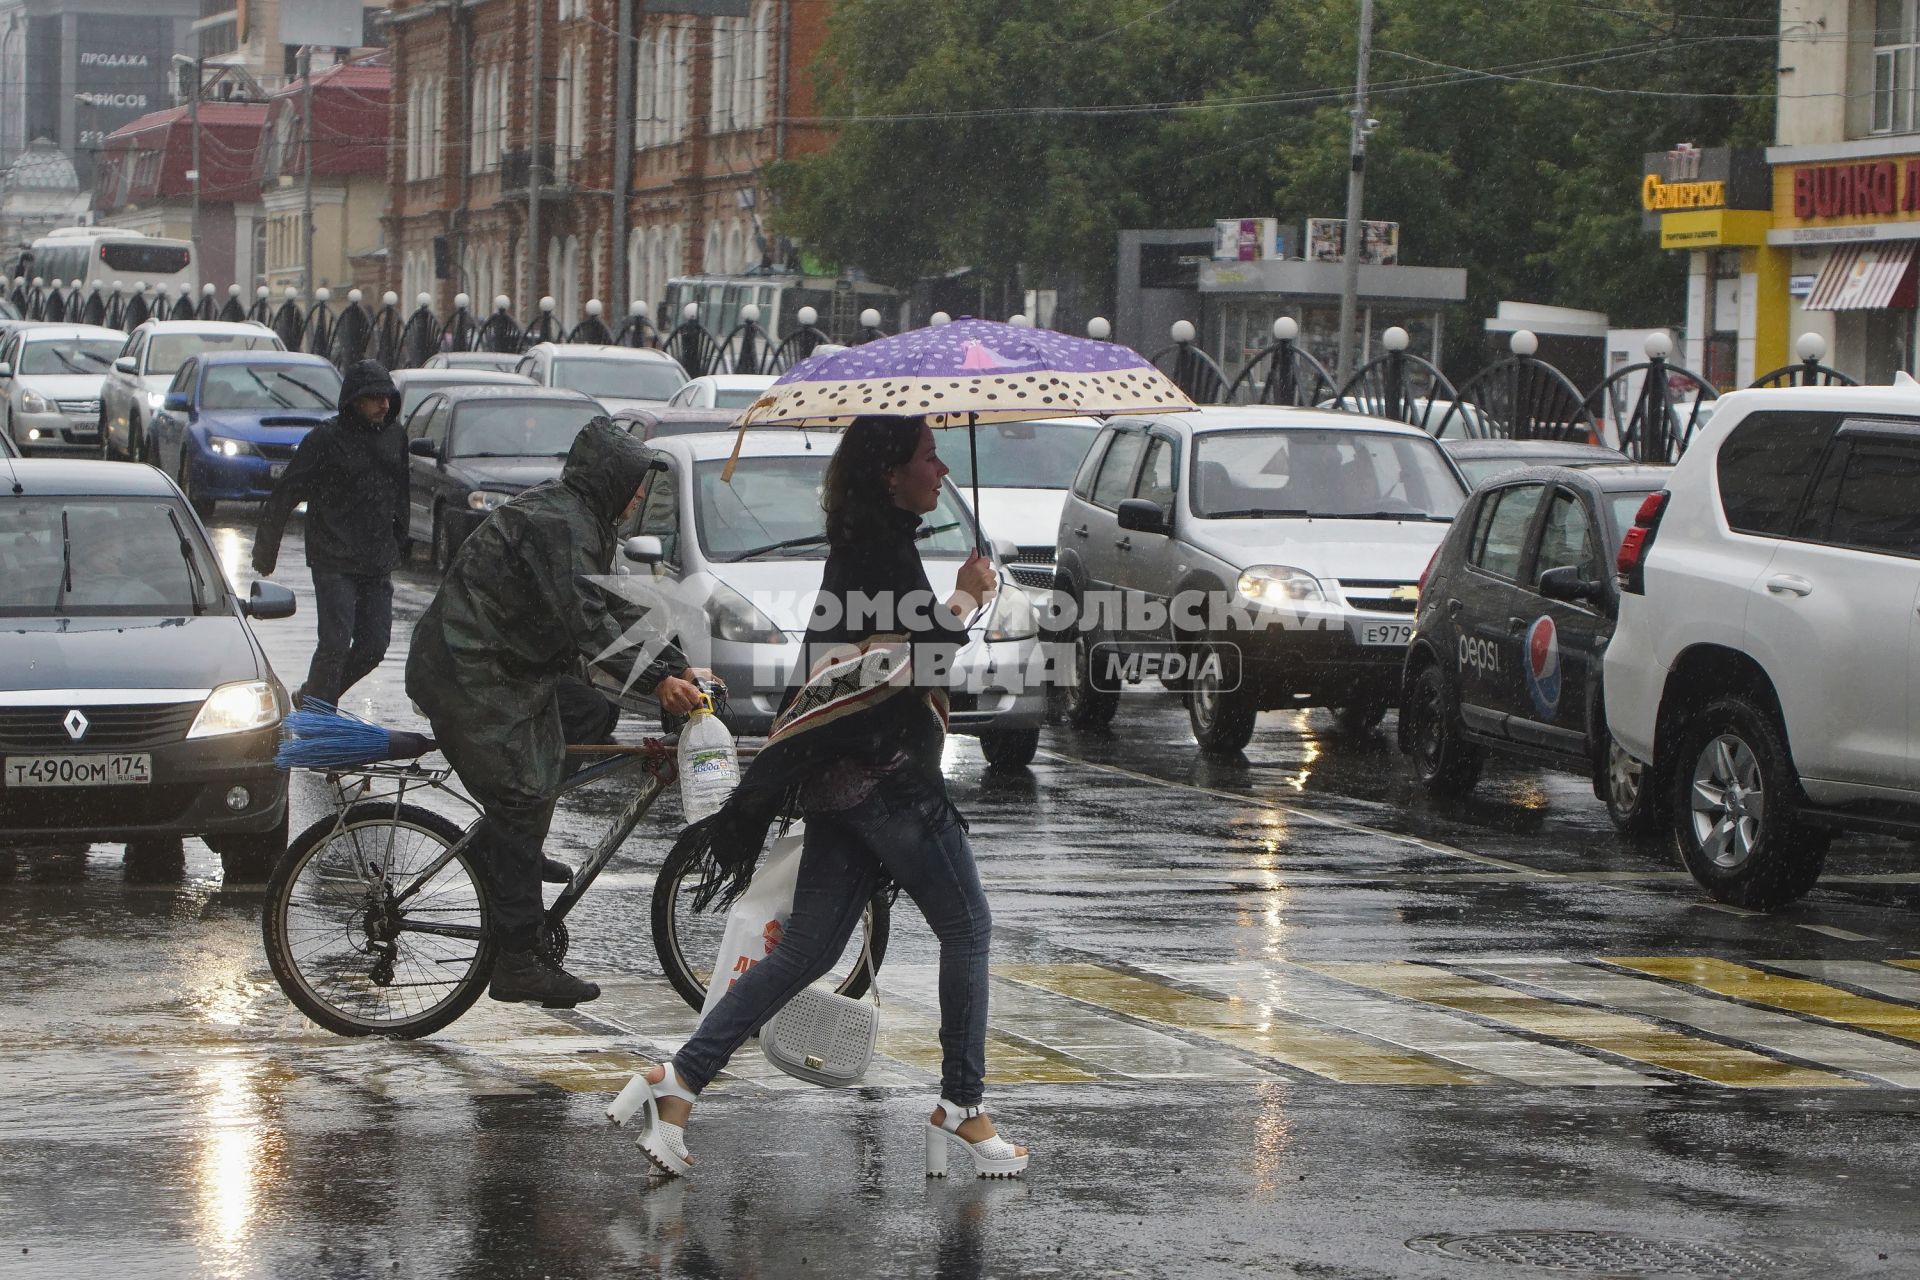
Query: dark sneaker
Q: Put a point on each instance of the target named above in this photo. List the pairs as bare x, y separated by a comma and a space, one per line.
554, 871
528, 975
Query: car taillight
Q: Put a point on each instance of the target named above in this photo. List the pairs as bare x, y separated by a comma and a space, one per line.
1632, 560
1427, 572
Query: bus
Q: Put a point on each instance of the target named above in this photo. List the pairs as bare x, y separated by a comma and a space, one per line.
838, 303
86, 255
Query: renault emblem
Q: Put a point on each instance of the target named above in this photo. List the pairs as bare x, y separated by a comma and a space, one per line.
75, 725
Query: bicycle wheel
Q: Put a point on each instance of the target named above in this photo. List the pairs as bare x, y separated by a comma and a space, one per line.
687, 940
345, 918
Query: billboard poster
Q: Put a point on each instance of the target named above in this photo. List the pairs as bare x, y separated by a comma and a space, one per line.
1379, 241
324, 24
1248, 239
119, 68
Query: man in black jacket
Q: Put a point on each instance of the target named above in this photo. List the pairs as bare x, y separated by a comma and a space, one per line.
351, 471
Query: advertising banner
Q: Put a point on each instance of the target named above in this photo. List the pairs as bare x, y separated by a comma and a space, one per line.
119, 68
1379, 242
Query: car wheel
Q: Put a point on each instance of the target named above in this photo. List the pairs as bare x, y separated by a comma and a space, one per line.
1009, 748
1219, 706
1087, 706
443, 548
202, 507
1445, 762
1736, 808
136, 441
106, 441
1632, 799
250, 859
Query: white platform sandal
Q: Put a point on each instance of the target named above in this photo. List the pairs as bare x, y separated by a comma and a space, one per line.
993, 1157
664, 1144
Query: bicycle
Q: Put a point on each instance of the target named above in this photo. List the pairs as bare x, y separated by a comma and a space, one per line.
376, 920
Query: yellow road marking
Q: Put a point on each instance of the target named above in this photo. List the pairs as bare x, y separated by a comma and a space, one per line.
907, 1035
1618, 1034
1796, 995
1337, 1055
1906, 964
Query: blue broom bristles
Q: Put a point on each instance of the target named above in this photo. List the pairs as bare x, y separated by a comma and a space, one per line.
321, 736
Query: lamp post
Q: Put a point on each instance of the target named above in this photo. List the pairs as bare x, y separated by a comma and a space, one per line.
182, 61
1356, 180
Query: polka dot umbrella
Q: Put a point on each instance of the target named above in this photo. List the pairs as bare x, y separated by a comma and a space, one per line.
964, 373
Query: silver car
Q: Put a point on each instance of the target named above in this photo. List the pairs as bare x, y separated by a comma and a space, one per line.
744, 560
50, 375
618, 377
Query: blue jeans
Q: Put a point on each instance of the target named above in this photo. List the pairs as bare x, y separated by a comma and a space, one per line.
908, 827
355, 624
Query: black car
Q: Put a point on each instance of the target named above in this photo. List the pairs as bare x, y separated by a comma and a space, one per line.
473, 447
1515, 611
136, 705
1480, 460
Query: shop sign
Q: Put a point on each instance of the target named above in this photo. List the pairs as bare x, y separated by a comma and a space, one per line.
1689, 179
1872, 188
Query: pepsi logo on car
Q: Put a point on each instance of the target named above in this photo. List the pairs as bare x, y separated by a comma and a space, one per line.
1543, 667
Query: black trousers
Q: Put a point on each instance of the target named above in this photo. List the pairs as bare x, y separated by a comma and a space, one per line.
511, 841
355, 625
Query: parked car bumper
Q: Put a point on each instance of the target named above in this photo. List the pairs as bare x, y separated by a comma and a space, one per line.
247, 478
56, 432
1327, 662
187, 797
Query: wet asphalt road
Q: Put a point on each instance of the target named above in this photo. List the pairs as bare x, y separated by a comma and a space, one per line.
1279, 1016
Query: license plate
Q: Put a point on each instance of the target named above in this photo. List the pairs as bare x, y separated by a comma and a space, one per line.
1383, 633
276, 470
79, 771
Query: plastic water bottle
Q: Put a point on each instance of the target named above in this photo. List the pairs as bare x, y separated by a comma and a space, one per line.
709, 766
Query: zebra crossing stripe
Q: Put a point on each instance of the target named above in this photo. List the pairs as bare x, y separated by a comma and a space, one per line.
1319, 1050
1618, 1034
1796, 995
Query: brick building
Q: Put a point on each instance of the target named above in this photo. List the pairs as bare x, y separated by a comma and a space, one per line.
711, 96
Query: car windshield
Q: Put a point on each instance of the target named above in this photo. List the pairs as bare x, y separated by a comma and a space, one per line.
70, 356
1625, 505
242, 386
524, 429
168, 351
771, 510
96, 556
1305, 472
1018, 455
735, 397
620, 379
476, 360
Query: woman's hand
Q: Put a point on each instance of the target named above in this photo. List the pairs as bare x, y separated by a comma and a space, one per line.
976, 582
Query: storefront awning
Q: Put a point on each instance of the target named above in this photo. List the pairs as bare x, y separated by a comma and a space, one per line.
1865, 277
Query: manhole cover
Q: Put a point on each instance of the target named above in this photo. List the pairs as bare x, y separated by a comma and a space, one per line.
1602, 1251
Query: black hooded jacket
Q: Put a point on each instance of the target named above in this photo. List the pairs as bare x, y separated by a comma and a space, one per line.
518, 610
352, 475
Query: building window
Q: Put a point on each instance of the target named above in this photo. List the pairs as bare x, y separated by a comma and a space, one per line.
1896, 47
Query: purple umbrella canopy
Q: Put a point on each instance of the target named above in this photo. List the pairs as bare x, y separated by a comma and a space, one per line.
966, 372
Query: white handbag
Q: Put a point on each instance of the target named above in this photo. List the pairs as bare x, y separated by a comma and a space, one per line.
823, 1037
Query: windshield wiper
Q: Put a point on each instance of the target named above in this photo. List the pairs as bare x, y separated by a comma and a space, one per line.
320, 400
186, 553
1394, 515
66, 562
934, 531
278, 399
812, 539
510, 455
1273, 513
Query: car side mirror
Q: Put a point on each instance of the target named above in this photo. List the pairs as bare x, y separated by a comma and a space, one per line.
6, 370
1140, 516
644, 548
125, 364
421, 447
176, 402
268, 600
1567, 584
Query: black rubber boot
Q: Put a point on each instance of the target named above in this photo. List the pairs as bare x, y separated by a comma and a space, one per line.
527, 975
554, 871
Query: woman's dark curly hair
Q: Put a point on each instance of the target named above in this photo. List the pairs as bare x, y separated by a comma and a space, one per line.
856, 499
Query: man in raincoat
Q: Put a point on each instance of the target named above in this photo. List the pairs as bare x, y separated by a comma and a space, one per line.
514, 623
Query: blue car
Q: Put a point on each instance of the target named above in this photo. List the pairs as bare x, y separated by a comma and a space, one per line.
232, 419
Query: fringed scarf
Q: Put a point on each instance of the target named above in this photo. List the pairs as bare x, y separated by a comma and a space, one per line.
859, 701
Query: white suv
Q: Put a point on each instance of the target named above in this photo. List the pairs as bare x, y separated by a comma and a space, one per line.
132, 394
1763, 659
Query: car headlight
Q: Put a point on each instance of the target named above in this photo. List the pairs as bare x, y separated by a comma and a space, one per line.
237, 708
156, 400
228, 447
1279, 585
1013, 616
33, 402
486, 499
731, 616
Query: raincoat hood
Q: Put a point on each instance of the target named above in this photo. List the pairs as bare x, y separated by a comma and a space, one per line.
604, 467
368, 378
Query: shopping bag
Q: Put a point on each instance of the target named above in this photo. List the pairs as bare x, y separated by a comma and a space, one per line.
757, 917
